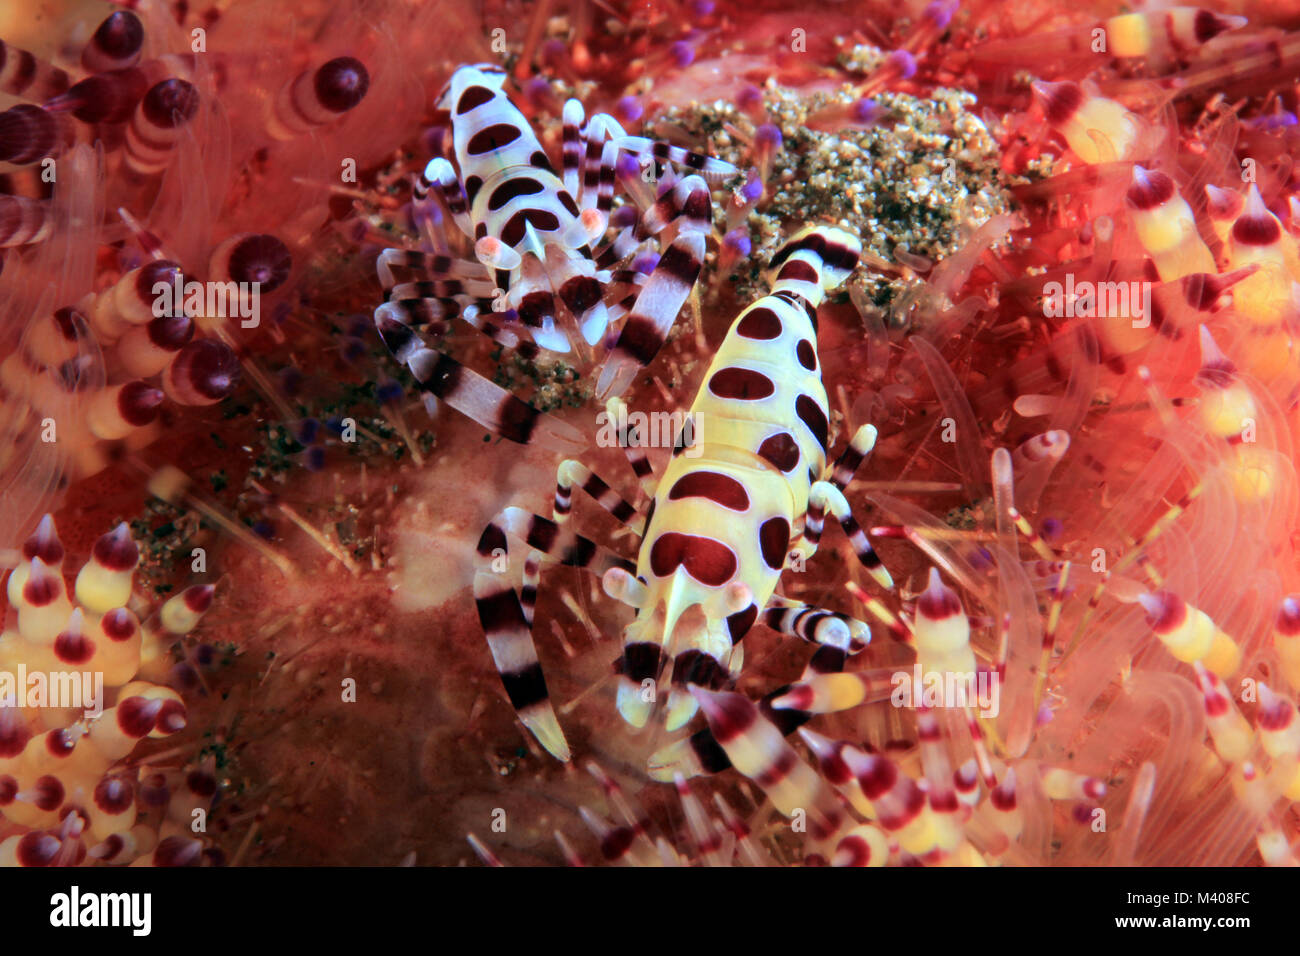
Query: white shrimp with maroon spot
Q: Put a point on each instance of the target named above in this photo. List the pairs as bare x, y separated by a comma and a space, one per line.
542, 264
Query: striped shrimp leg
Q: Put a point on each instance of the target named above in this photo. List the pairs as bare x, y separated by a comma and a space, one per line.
430, 304
573, 473
825, 497
618, 582
646, 328
829, 494
631, 439
426, 290
439, 180
447, 292
470, 393
396, 266
603, 139
599, 157
623, 241
816, 626
714, 170
506, 622
854, 454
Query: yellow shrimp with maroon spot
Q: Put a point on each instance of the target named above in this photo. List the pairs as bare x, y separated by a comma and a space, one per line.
747, 486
